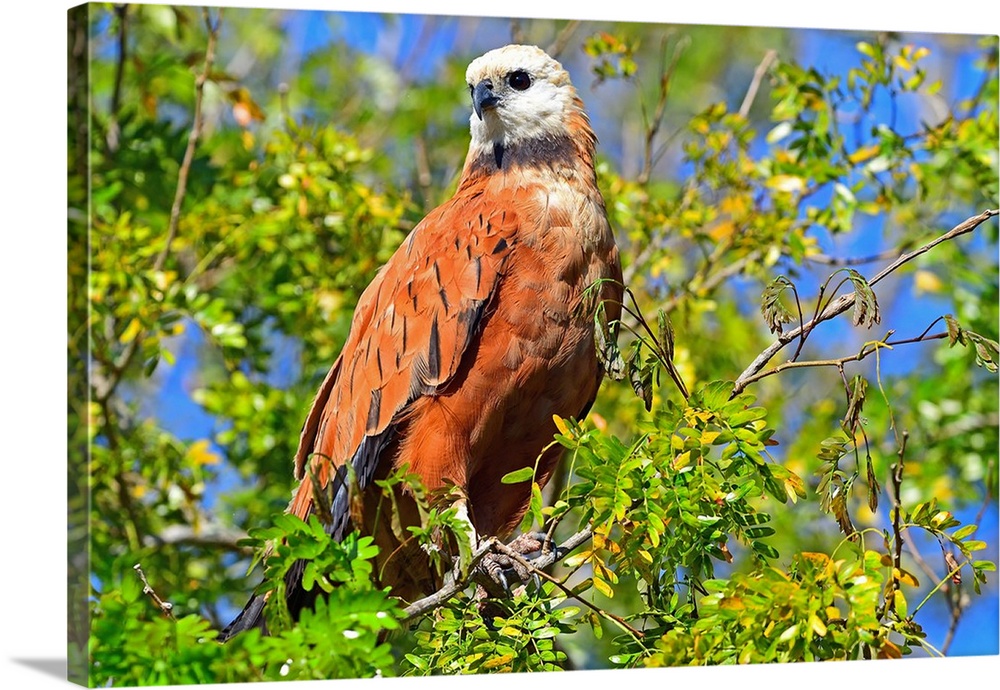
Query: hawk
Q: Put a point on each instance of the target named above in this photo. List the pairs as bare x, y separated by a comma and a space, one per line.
476, 332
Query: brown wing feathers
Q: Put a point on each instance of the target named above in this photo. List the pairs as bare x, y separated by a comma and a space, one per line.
413, 324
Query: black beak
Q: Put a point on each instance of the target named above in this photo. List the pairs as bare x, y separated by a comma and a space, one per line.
483, 98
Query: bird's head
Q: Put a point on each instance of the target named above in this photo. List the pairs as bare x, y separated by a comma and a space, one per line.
519, 94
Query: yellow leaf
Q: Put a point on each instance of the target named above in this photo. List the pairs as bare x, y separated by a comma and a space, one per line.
817, 625
820, 560
735, 204
200, 453
498, 661
731, 604
889, 651
603, 587
682, 460
561, 425
905, 578
926, 281
708, 437
722, 230
863, 154
899, 600
131, 331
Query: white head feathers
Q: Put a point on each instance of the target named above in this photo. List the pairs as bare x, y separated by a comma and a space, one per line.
519, 93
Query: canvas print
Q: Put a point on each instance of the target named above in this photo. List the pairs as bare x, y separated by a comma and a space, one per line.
421, 345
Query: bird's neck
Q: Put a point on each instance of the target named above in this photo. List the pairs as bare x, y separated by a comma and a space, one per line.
573, 147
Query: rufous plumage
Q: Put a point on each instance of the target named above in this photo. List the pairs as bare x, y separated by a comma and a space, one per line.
476, 332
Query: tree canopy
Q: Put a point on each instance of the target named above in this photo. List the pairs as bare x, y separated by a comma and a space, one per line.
808, 229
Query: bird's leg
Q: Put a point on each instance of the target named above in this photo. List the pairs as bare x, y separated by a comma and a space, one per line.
510, 564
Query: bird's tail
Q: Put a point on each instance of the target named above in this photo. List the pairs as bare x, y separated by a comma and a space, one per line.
251, 617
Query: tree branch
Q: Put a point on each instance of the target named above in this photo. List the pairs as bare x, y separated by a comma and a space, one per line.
535, 570
844, 302
452, 588
840, 362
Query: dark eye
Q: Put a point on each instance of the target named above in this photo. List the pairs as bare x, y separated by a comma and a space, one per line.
519, 80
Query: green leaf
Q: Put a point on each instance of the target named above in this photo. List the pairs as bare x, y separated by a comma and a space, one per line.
899, 602
774, 312
866, 309
954, 331
517, 476
963, 532
859, 389
744, 417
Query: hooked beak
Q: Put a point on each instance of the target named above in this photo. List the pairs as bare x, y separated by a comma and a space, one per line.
483, 97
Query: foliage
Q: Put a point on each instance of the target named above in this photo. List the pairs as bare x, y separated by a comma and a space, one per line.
739, 507
340, 638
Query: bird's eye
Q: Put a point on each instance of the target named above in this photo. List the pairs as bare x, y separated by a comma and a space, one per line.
519, 80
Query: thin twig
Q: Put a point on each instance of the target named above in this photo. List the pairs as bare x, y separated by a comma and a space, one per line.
841, 361
516, 31
921, 562
112, 138
166, 608
423, 172
844, 302
653, 125
192, 144
897, 509
758, 76
851, 261
954, 597
561, 40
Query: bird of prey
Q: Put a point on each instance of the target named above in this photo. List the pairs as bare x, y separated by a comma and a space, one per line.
475, 333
